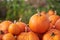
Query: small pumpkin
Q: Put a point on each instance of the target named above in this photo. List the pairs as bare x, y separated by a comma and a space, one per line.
5, 25
57, 24
53, 34
53, 19
39, 23
8, 36
50, 12
21, 25
43, 13
14, 29
28, 36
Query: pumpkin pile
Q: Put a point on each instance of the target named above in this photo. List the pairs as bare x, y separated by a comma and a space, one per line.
42, 26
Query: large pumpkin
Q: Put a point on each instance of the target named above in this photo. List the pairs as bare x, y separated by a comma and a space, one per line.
39, 23
53, 34
8, 36
5, 25
27, 36
57, 24
14, 29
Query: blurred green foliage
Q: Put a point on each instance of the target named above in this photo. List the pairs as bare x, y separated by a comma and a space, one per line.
20, 9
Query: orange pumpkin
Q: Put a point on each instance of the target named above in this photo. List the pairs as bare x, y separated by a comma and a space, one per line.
57, 24
14, 29
53, 34
5, 25
22, 26
50, 12
27, 36
39, 23
8, 36
43, 13
53, 19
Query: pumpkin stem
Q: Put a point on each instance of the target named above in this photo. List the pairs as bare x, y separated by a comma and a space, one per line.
1, 32
20, 19
55, 12
0, 21
38, 12
14, 21
53, 34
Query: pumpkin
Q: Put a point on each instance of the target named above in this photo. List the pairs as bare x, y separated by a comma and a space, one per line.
50, 12
28, 36
8, 36
14, 29
39, 23
53, 19
43, 13
5, 25
22, 26
57, 24
53, 34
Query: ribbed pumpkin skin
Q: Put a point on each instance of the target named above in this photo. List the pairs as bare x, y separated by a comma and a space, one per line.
39, 23
53, 34
53, 19
5, 25
8, 36
14, 29
27, 36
